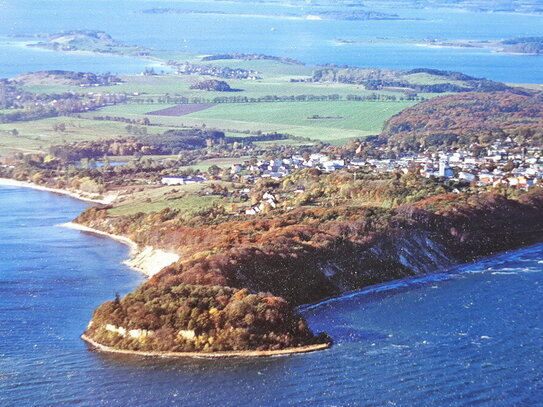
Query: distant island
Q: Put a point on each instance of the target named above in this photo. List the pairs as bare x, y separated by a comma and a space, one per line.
352, 15
86, 40
521, 45
478, 6
524, 45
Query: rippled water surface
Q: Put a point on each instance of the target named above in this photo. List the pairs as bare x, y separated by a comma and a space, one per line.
469, 337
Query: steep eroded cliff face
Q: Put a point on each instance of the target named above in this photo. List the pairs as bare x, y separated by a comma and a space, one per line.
267, 266
397, 257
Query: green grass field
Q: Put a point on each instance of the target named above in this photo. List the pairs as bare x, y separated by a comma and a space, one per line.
357, 119
179, 85
351, 120
333, 135
361, 118
367, 116
346, 120
188, 204
182, 197
39, 135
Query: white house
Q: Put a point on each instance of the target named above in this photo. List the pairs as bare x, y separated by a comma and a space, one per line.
466, 176
178, 180
444, 168
236, 168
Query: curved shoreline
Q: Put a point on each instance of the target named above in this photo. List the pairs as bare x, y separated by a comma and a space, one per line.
148, 260
77, 195
201, 355
124, 240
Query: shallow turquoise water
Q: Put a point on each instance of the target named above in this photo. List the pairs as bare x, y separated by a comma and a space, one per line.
471, 336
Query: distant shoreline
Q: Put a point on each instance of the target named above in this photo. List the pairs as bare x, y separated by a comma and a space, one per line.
31, 44
212, 355
148, 260
77, 195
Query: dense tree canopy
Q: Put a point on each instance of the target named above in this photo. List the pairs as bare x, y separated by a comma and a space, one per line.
468, 118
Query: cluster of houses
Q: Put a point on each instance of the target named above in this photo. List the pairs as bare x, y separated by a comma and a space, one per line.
218, 71
498, 166
276, 169
501, 165
268, 200
280, 167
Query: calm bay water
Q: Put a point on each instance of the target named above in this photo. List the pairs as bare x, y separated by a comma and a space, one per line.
307, 40
470, 337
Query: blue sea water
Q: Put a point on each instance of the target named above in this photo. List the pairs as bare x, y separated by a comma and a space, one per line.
470, 336
311, 41
17, 58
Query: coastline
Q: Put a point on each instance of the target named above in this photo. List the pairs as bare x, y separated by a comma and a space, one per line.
159, 62
201, 355
148, 260
124, 240
77, 195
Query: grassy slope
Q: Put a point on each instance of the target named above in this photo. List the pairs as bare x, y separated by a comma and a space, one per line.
39, 135
182, 197
422, 78
221, 162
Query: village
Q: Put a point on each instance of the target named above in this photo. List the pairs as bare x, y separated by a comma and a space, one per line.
213, 70
503, 163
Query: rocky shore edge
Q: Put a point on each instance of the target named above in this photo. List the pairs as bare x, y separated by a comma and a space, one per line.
202, 355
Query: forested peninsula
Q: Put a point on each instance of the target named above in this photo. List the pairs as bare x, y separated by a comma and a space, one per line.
331, 234
264, 220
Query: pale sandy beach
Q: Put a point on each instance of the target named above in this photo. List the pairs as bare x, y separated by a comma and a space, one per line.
147, 260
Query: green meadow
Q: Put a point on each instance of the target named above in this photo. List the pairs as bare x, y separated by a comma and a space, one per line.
364, 116
38, 135
186, 198
334, 122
